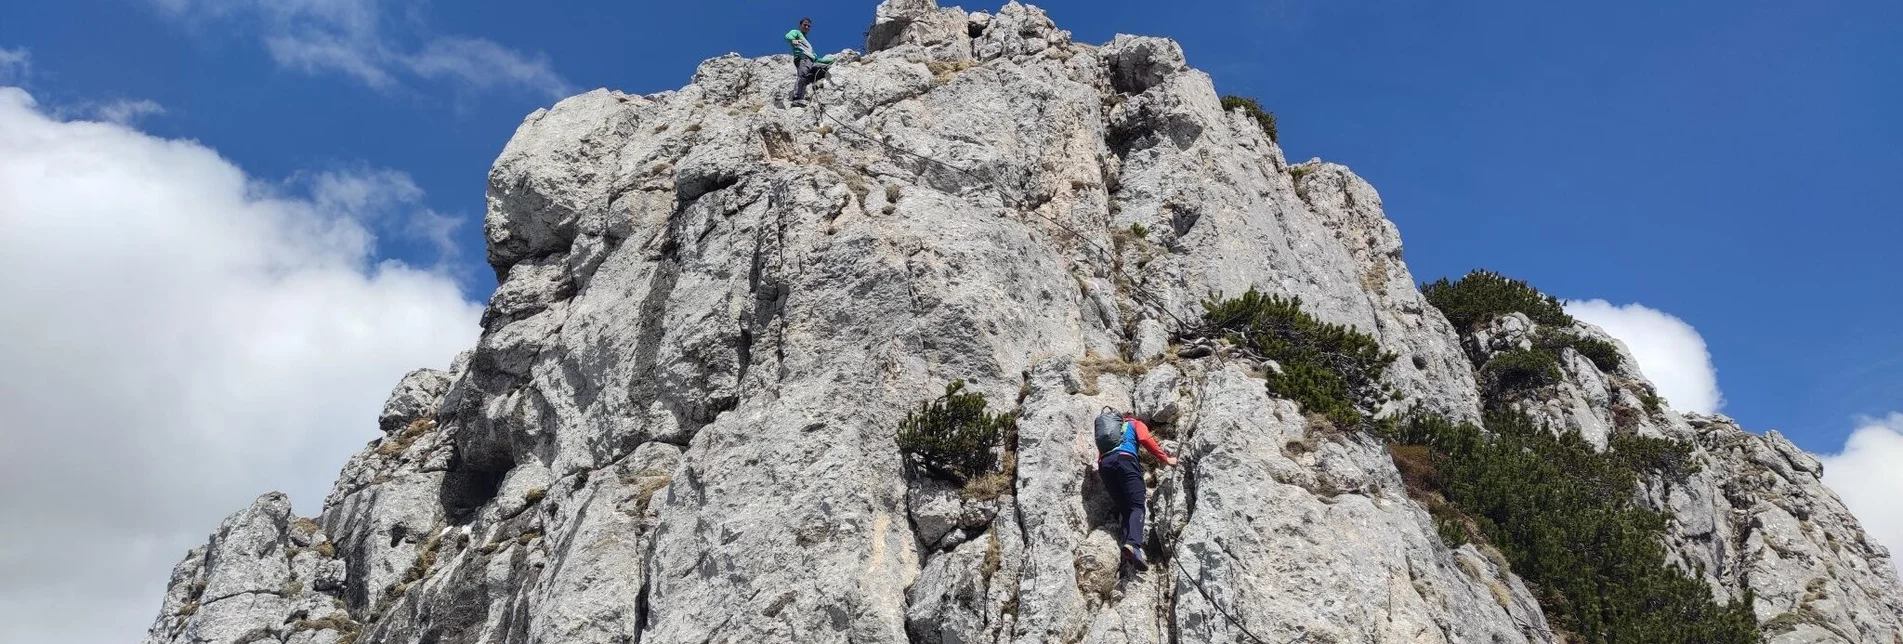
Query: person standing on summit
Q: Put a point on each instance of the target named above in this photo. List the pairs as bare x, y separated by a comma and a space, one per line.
1118, 437
807, 67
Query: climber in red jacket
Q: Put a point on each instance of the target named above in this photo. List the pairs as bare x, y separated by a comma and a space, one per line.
1122, 474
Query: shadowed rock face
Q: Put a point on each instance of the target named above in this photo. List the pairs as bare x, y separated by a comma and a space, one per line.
714, 310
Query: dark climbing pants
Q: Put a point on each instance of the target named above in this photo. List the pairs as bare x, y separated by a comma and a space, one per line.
1122, 478
805, 72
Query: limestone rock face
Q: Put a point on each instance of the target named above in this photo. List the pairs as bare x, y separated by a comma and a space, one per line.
714, 310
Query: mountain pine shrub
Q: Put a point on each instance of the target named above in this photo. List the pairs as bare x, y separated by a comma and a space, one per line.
1600, 352
1564, 516
952, 436
1483, 295
1263, 118
1330, 369
1653, 403
1651, 454
1519, 370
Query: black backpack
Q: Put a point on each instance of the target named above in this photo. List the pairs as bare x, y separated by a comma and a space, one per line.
1109, 431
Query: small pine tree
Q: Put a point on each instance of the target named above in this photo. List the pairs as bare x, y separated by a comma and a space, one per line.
1657, 455
953, 436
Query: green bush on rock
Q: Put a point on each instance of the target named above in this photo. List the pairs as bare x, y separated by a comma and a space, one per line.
1564, 516
1483, 295
1263, 118
953, 436
1330, 369
1519, 370
1651, 454
1600, 352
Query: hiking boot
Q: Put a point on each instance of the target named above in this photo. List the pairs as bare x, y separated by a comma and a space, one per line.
1134, 555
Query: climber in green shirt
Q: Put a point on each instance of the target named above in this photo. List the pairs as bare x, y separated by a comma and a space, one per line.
807, 67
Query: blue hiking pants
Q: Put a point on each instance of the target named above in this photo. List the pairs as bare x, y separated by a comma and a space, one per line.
1122, 478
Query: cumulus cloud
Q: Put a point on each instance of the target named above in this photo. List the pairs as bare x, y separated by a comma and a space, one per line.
180, 338
14, 64
355, 38
1865, 475
1670, 352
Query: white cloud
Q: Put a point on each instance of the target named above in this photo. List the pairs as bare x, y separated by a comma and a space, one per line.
1866, 476
14, 64
353, 38
363, 193
179, 338
315, 55
483, 64
381, 196
127, 112
1670, 352
440, 231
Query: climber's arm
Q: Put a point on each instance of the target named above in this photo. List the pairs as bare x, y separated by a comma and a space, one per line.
793, 40
1149, 443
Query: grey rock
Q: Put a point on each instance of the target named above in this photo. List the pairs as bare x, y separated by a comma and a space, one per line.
1019, 30
1152, 340
1429, 371
1510, 332
936, 509
1138, 63
945, 33
948, 604
1158, 398
1777, 531
265, 575
1281, 505
416, 398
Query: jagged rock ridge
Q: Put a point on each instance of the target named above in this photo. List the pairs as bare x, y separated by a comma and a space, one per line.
714, 310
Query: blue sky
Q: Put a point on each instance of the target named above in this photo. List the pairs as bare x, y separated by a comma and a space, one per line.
1733, 164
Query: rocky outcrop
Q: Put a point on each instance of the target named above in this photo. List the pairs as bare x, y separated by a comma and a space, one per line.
266, 576
1751, 517
713, 312
1764, 522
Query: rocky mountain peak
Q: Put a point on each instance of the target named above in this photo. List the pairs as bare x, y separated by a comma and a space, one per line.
715, 311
